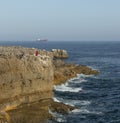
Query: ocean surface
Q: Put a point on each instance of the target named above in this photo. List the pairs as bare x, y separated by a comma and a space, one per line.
97, 97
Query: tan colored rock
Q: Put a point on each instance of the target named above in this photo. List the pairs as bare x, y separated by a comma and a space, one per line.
60, 107
37, 112
22, 75
58, 53
26, 79
65, 71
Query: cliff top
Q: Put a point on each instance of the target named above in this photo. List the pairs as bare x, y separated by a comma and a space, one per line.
19, 52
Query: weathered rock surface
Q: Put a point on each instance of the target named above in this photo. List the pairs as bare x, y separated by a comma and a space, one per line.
26, 82
58, 53
60, 107
24, 77
63, 71
37, 112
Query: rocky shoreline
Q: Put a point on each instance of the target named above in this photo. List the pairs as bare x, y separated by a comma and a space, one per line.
26, 83
65, 71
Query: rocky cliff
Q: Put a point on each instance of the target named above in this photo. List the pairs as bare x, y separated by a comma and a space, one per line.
26, 81
59, 53
24, 77
65, 71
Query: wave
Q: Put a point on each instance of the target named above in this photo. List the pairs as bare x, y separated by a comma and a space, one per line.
85, 76
76, 111
80, 76
80, 80
115, 121
72, 102
64, 88
56, 100
58, 117
85, 111
78, 102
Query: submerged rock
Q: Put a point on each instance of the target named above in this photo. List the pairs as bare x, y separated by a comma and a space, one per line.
60, 107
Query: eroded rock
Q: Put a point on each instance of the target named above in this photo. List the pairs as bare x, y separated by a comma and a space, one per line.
65, 71
58, 53
26, 79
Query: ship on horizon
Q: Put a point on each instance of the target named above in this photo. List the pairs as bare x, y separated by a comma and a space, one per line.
40, 39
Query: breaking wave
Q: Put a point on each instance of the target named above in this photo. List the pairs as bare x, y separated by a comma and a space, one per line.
64, 88
56, 100
85, 111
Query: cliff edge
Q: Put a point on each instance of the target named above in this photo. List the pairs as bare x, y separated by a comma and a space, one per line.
25, 77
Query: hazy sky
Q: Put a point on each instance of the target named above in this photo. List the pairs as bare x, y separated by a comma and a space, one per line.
94, 20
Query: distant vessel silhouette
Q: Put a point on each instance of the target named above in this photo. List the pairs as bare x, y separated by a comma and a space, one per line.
39, 39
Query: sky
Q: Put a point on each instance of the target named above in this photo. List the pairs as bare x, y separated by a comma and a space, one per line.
60, 20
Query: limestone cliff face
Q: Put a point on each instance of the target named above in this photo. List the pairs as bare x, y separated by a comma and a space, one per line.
24, 76
58, 53
27, 77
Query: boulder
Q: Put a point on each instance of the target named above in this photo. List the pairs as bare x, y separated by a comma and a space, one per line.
61, 54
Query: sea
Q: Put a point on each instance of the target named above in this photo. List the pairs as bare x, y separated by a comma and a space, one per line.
97, 98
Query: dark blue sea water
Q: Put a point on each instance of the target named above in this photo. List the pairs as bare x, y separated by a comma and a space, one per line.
97, 97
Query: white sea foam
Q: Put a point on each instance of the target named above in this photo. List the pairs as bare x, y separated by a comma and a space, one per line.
51, 112
55, 99
80, 80
79, 102
55, 114
82, 103
76, 102
64, 88
61, 119
72, 102
58, 117
75, 111
85, 111
76, 78
85, 76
